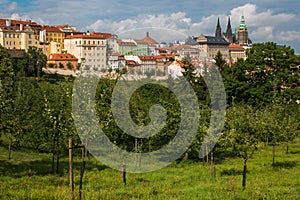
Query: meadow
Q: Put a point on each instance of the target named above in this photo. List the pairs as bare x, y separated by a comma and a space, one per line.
27, 175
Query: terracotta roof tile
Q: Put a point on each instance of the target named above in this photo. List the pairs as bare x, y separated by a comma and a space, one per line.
62, 57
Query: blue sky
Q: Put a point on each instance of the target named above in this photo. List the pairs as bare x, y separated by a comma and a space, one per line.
167, 20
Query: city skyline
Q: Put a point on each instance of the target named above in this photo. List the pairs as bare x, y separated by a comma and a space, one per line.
166, 21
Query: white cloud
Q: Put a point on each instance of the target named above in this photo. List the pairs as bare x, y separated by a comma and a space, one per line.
163, 26
16, 16
264, 33
263, 25
288, 36
13, 6
254, 18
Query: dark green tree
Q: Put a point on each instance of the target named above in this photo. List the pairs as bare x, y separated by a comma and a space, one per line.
7, 98
34, 60
220, 61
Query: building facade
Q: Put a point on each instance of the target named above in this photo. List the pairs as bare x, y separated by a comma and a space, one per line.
89, 48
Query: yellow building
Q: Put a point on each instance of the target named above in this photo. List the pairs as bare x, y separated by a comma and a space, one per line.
53, 36
19, 34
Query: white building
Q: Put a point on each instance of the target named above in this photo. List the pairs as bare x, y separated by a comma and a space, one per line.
90, 48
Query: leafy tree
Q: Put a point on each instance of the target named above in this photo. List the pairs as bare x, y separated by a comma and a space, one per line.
270, 71
7, 97
240, 134
70, 66
220, 61
34, 60
276, 125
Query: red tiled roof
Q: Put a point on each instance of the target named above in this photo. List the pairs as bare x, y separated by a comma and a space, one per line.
132, 62
236, 47
140, 41
180, 47
62, 57
149, 40
92, 35
147, 57
51, 29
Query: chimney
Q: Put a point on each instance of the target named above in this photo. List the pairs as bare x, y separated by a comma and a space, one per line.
147, 34
88, 33
8, 22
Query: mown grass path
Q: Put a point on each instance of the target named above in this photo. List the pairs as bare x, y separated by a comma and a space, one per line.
28, 176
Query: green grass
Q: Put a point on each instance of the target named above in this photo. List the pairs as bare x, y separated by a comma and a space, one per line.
28, 176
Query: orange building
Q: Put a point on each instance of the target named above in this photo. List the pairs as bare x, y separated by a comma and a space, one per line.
63, 60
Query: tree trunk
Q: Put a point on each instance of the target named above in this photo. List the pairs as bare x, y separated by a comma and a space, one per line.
203, 156
136, 145
244, 173
149, 146
57, 153
273, 155
53, 154
212, 165
71, 169
207, 158
186, 156
9, 148
82, 172
87, 151
287, 148
124, 174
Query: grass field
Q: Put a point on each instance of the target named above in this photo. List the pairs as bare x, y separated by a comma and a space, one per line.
28, 176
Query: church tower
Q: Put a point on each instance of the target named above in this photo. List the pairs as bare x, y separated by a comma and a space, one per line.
242, 34
218, 33
229, 34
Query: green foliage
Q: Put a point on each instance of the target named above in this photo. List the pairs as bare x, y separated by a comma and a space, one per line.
220, 61
269, 72
70, 66
240, 133
7, 95
33, 62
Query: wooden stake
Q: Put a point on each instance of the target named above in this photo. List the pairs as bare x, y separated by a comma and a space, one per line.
71, 169
82, 172
124, 174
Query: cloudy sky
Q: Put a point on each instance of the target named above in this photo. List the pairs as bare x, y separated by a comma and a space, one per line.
167, 20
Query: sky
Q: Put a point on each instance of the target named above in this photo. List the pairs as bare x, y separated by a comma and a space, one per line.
166, 21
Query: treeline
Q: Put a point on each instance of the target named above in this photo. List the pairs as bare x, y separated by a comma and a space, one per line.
262, 94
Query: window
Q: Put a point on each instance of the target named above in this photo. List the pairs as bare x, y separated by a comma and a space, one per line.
29, 36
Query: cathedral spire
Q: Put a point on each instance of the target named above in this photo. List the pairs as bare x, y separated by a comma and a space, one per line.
218, 33
229, 34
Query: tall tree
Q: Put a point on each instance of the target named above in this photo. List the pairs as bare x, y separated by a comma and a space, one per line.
220, 61
7, 119
35, 60
270, 71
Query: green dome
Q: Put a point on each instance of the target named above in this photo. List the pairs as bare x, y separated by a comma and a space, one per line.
243, 24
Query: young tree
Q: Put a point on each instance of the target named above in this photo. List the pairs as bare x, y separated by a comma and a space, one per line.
240, 134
